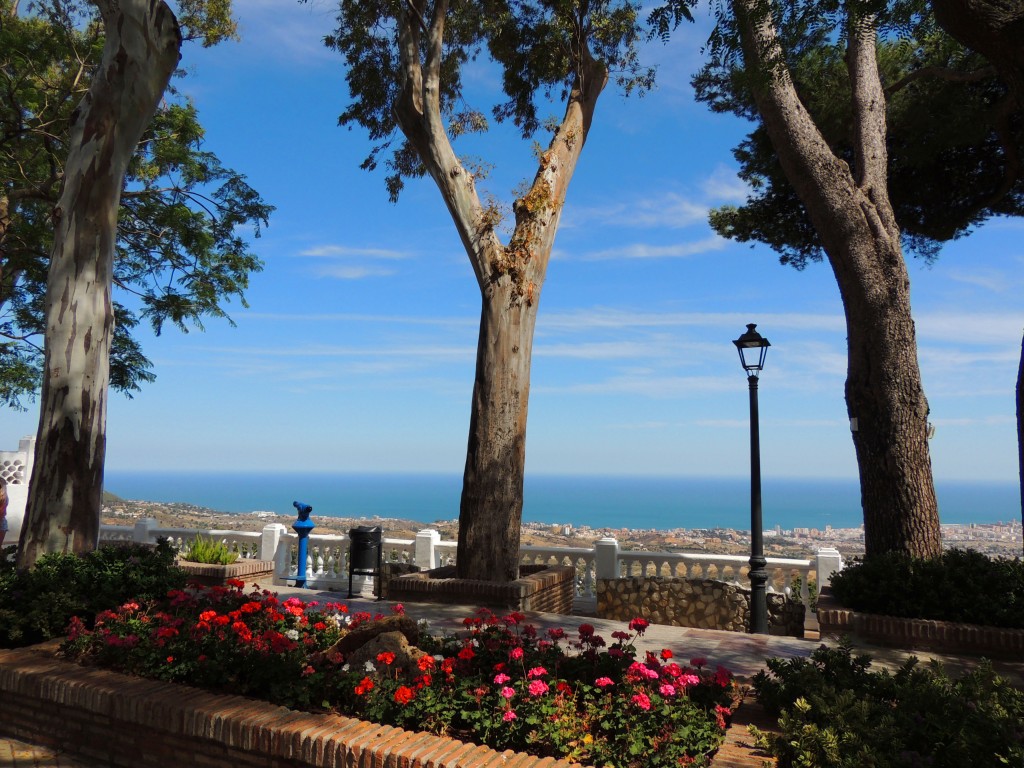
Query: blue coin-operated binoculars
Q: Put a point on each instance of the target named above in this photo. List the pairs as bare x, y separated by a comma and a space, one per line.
302, 526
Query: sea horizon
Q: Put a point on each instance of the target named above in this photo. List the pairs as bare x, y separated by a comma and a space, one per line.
633, 502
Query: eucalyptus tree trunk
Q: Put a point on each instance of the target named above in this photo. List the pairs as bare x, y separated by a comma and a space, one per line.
510, 279
140, 53
1020, 427
851, 212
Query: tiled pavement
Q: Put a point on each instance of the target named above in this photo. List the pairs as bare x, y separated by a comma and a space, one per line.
743, 654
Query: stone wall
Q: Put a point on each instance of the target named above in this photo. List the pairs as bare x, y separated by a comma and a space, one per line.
697, 603
547, 588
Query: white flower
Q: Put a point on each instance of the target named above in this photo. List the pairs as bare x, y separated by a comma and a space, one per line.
368, 666
345, 668
292, 634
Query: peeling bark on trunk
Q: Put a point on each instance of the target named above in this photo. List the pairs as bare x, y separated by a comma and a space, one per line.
140, 53
510, 279
851, 212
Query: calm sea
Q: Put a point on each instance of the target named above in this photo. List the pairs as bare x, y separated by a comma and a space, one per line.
600, 502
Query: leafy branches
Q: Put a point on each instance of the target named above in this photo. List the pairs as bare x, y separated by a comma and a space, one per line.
180, 253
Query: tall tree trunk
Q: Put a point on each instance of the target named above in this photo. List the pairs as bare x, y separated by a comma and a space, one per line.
852, 214
492, 490
140, 53
510, 279
1020, 427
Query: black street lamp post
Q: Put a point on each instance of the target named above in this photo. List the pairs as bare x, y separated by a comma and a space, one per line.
753, 348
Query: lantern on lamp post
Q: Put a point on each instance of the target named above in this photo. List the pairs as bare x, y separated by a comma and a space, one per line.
753, 348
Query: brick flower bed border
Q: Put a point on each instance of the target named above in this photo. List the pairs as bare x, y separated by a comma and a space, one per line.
921, 634
125, 721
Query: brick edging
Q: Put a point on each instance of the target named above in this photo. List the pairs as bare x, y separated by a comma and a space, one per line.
923, 634
133, 722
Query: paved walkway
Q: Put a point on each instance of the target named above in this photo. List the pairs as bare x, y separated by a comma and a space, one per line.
743, 654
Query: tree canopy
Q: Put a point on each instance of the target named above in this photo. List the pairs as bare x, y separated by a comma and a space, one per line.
954, 158
180, 254
536, 45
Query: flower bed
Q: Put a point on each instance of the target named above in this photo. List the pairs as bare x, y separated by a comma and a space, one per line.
500, 684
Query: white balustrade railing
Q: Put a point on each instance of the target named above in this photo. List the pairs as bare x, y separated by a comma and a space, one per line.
327, 557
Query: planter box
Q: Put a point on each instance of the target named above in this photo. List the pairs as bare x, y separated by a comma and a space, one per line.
127, 722
922, 634
211, 575
547, 588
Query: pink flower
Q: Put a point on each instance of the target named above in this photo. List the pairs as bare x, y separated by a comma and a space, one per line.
501, 678
536, 672
537, 688
507, 692
509, 716
641, 700
667, 690
689, 679
723, 677
603, 682
516, 654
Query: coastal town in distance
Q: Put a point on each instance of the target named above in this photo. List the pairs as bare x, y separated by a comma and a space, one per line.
994, 539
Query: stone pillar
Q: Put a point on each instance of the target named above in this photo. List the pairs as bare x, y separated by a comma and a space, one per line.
142, 533
270, 540
606, 558
829, 562
27, 446
425, 555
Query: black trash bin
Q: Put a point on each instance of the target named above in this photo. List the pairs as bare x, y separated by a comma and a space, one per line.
365, 554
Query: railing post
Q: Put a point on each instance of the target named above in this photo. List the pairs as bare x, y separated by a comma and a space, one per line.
271, 538
606, 558
425, 552
829, 562
142, 531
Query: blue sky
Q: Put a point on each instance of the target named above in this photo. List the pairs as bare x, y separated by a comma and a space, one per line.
357, 351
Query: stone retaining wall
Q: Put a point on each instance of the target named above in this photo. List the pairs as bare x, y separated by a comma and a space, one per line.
697, 603
547, 588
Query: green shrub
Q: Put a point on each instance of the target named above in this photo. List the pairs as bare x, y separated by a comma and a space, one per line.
36, 605
961, 585
208, 550
834, 712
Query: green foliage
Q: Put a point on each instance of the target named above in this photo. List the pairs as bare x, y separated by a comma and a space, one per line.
500, 684
835, 712
36, 605
204, 549
961, 585
951, 158
538, 47
179, 254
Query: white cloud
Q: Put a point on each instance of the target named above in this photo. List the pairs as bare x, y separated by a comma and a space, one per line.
344, 251
346, 272
724, 186
971, 328
644, 251
668, 210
